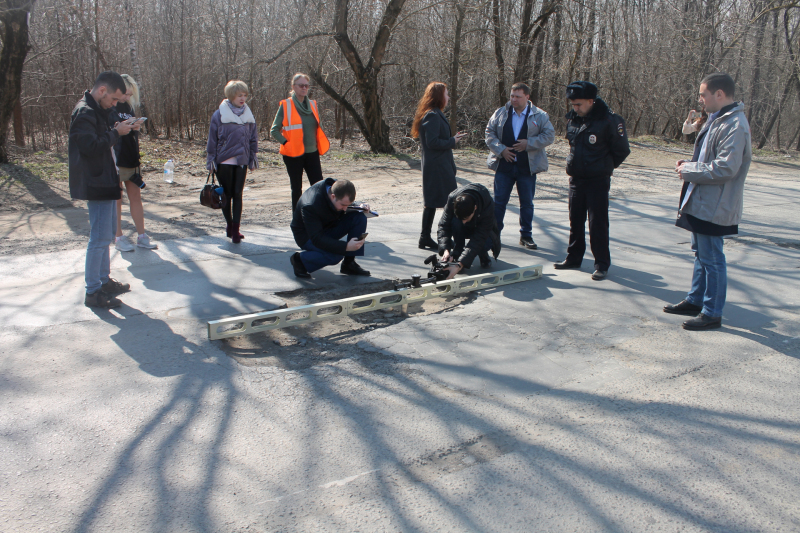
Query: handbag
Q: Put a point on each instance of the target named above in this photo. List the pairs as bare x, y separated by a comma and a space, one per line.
209, 196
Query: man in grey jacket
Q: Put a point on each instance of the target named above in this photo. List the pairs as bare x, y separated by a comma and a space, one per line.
712, 197
516, 136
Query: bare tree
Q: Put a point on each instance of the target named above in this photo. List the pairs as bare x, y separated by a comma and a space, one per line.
14, 16
372, 124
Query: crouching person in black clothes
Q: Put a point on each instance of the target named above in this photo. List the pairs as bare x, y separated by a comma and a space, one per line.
469, 214
320, 220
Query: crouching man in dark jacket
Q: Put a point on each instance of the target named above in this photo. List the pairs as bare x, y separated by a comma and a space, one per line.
93, 177
469, 214
598, 143
320, 220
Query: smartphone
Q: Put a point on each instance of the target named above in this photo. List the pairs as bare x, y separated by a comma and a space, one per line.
693, 115
363, 236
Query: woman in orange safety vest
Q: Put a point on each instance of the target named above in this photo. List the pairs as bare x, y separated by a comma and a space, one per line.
297, 128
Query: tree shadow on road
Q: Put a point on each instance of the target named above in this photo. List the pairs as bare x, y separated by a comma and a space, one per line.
150, 459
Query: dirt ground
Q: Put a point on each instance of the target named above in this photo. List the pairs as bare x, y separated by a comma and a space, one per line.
37, 214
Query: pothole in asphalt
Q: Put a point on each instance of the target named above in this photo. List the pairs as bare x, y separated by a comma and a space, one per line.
307, 345
480, 449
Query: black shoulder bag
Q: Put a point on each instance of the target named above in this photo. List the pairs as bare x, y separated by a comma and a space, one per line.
209, 196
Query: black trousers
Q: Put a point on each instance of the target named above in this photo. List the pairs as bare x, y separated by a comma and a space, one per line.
295, 166
460, 233
232, 178
589, 196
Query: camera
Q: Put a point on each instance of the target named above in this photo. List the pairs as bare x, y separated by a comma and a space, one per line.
438, 272
137, 180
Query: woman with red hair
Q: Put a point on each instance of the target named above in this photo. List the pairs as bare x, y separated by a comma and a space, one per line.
438, 167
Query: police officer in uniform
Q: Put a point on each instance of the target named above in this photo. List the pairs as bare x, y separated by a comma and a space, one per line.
598, 144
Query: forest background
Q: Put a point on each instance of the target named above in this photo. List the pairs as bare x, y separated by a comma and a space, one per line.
370, 61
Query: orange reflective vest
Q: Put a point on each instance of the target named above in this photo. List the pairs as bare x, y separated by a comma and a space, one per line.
293, 130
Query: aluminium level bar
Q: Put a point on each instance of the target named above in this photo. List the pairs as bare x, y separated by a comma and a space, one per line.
306, 314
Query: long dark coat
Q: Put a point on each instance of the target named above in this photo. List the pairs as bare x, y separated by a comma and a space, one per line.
438, 166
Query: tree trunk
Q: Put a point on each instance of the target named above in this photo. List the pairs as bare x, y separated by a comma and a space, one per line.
14, 16
529, 33
150, 124
498, 54
587, 72
19, 131
756, 108
460, 14
794, 80
555, 64
372, 125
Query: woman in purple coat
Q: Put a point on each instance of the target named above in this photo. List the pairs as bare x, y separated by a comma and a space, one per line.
232, 149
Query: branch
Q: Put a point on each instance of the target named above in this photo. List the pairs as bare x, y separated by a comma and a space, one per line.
388, 23
343, 40
290, 45
330, 91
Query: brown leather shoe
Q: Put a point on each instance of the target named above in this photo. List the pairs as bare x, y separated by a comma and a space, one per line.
113, 287
102, 300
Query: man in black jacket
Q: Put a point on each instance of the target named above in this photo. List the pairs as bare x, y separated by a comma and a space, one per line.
320, 220
598, 144
93, 177
469, 213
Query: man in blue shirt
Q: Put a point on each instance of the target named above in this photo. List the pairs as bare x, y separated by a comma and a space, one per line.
517, 135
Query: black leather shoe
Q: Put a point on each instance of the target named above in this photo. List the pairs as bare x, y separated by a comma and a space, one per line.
528, 243
702, 321
564, 265
486, 261
298, 266
426, 243
113, 287
683, 308
599, 275
353, 269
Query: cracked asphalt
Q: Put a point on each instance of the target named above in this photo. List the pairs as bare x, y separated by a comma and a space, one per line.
558, 404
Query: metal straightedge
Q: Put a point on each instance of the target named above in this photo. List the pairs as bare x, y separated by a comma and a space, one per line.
306, 314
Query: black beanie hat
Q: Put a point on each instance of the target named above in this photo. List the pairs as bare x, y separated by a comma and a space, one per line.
581, 90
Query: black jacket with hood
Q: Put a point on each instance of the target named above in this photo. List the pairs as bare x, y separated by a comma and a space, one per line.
483, 224
598, 142
92, 172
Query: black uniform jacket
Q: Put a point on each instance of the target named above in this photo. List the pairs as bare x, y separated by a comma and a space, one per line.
92, 172
598, 142
314, 215
483, 224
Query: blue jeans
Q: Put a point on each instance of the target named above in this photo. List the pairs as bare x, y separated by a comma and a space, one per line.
103, 226
526, 187
352, 225
710, 277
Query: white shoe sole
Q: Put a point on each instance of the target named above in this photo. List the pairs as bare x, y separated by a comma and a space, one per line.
123, 249
150, 246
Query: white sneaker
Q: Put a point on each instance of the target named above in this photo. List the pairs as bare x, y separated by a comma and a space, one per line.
123, 245
144, 242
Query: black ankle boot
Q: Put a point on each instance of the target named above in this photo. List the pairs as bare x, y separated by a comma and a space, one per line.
425, 240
